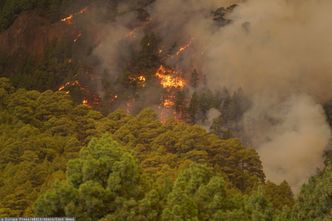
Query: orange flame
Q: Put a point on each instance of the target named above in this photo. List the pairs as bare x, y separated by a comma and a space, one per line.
139, 79
183, 48
89, 102
131, 34
168, 103
69, 19
169, 78
67, 84
85, 102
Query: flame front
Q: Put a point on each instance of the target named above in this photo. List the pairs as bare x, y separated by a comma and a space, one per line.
170, 78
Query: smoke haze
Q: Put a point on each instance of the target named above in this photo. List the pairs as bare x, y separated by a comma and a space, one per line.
279, 53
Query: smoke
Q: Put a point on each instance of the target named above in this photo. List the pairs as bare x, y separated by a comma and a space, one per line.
114, 50
117, 44
212, 114
290, 137
176, 22
284, 43
279, 53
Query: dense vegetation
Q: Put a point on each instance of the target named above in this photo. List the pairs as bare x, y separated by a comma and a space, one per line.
135, 168
61, 158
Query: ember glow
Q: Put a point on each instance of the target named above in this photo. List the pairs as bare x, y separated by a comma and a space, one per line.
78, 37
168, 103
85, 102
170, 78
114, 98
90, 99
172, 82
69, 19
69, 84
140, 79
183, 48
166, 109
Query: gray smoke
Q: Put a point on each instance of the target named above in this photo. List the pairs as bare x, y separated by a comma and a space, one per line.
290, 137
279, 53
117, 43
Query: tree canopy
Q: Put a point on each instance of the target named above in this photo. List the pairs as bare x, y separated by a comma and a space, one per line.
62, 159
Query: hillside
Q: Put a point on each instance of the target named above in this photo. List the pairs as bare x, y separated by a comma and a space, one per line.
165, 110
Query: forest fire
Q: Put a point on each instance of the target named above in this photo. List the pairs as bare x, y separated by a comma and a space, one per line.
69, 19
170, 78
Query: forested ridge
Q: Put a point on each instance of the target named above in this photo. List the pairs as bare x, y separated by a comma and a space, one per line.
76, 141
60, 159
